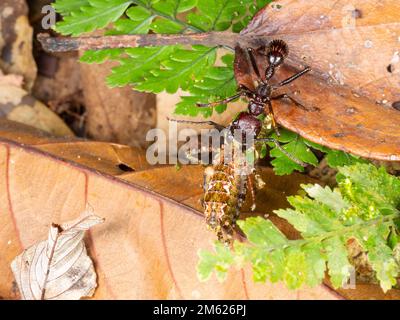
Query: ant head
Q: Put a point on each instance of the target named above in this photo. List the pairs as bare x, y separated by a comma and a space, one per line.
245, 125
277, 52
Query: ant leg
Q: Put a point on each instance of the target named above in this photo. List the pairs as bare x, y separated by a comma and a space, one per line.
254, 62
279, 146
298, 104
250, 187
217, 126
245, 91
270, 111
294, 77
217, 103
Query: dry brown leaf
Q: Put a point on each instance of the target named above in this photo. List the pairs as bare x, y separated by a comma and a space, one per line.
59, 267
148, 247
120, 115
352, 47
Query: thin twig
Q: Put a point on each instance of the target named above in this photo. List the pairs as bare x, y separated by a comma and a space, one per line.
64, 44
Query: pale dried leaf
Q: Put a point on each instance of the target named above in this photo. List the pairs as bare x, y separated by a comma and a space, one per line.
58, 268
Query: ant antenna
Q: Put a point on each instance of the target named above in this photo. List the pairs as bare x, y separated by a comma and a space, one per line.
250, 51
217, 126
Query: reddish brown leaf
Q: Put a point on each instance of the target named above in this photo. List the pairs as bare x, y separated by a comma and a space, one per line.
147, 247
353, 50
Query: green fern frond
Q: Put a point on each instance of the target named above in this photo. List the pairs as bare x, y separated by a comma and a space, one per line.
68, 7
327, 219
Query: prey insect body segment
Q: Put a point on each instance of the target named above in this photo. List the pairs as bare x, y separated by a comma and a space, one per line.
232, 177
225, 190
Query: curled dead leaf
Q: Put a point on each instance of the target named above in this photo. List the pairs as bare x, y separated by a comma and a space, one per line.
58, 268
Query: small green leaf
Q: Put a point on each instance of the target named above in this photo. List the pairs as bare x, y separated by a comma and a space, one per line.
262, 232
219, 15
263, 151
100, 56
94, 15
182, 68
67, 7
338, 263
140, 62
332, 198
294, 274
138, 22
301, 222
166, 26
372, 189
337, 159
186, 5
315, 260
380, 255
294, 145
322, 218
218, 262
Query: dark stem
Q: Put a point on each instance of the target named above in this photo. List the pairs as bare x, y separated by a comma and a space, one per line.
64, 44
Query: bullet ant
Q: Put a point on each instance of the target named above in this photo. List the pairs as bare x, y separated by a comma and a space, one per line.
227, 182
260, 99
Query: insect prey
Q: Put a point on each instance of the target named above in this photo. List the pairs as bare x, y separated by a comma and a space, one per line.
229, 180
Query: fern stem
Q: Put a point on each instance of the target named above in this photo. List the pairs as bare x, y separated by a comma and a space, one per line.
64, 44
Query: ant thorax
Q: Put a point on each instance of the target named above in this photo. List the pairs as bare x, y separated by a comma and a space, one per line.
263, 92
